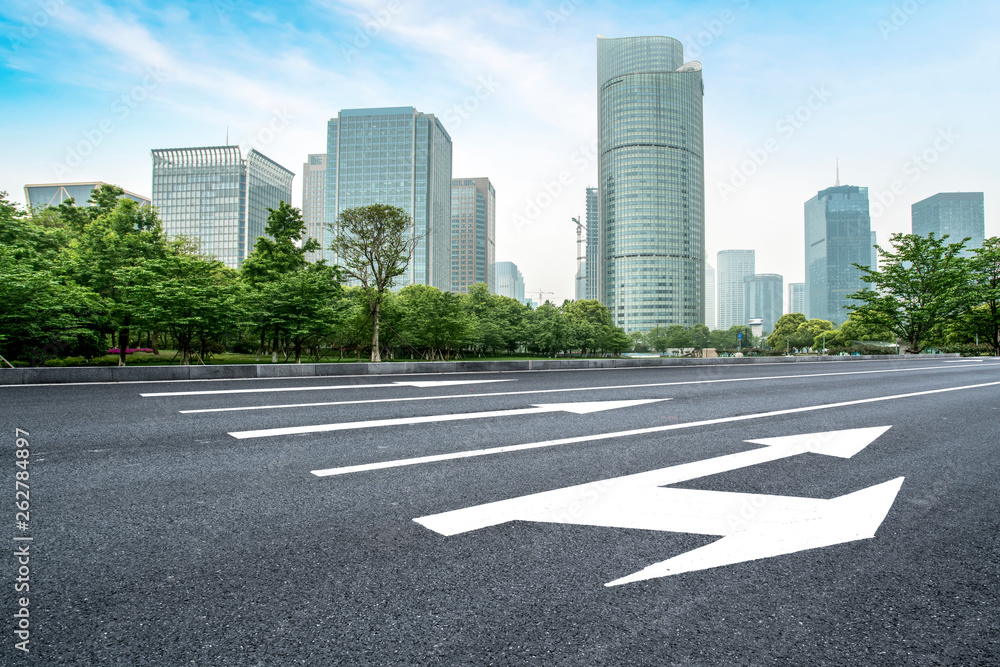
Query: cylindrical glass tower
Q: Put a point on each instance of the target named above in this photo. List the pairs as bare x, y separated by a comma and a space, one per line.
652, 183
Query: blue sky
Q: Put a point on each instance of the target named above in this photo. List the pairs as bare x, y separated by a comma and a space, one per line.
904, 94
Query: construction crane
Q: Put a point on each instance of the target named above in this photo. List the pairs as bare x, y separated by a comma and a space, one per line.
539, 293
581, 256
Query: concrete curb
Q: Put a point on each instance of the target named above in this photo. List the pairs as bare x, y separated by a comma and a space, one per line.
17, 376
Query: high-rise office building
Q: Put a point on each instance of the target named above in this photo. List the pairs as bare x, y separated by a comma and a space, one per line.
473, 233
711, 319
510, 282
764, 298
593, 222
957, 214
797, 298
217, 196
733, 268
399, 157
651, 170
874, 265
52, 194
837, 236
313, 198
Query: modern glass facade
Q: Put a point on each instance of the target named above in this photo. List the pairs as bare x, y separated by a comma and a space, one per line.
837, 235
711, 320
764, 297
797, 298
592, 273
957, 214
473, 233
651, 169
53, 194
313, 185
400, 157
510, 282
215, 196
735, 266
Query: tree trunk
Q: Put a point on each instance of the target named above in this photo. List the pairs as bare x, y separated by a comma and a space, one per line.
123, 336
375, 308
154, 342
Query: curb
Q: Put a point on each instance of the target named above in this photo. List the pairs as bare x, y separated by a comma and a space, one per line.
21, 376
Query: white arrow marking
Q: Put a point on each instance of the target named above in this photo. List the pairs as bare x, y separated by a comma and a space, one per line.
423, 384
753, 526
578, 408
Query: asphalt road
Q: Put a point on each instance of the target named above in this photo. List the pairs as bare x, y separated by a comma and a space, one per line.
158, 537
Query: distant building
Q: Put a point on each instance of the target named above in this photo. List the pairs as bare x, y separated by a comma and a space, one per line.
796, 298
400, 157
510, 282
955, 214
733, 268
837, 235
473, 233
53, 194
593, 260
874, 265
710, 312
652, 183
764, 300
217, 196
313, 199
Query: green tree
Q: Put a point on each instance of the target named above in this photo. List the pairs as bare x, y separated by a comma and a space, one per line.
435, 321
699, 334
103, 258
921, 284
374, 245
984, 272
677, 337
784, 330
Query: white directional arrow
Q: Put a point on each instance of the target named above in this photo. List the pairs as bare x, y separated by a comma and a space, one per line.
752, 526
581, 408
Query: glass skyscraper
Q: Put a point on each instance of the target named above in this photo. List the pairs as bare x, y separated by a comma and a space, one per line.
400, 157
734, 267
838, 235
473, 233
313, 198
764, 298
957, 214
214, 195
510, 282
711, 320
796, 298
651, 171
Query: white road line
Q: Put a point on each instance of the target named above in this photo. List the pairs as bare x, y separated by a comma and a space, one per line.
551, 391
422, 384
621, 434
580, 408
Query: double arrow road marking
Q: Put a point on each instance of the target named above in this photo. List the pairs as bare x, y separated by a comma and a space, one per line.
580, 408
751, 526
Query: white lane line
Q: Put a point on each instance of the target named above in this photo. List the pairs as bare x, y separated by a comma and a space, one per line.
581, 408
963, 361
422, 384
551, 391
621, 434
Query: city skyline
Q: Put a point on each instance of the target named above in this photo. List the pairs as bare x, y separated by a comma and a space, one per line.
902, 97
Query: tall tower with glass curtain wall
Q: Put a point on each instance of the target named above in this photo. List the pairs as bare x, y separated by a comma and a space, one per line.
214, 194
400, 157
651, 182
593, 222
